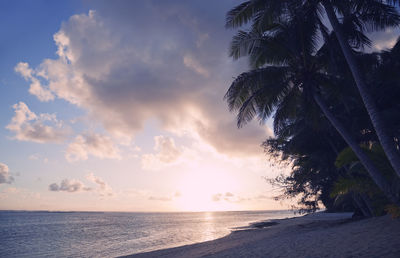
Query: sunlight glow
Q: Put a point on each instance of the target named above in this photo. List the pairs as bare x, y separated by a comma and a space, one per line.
200, 189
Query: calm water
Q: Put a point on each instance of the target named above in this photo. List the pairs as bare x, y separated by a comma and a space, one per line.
108, 234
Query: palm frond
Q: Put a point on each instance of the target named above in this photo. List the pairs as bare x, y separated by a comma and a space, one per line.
243, 13
256, 93
243, 43
376, 15
286, 110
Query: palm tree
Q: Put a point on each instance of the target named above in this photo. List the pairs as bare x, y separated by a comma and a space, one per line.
358, 15
376, 20
286, 74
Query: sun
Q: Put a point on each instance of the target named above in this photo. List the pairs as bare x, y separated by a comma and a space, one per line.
200, 188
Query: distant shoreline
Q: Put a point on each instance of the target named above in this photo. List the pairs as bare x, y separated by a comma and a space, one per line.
166, 212
314, 235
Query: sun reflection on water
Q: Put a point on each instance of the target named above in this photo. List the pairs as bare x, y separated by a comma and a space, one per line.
209, 229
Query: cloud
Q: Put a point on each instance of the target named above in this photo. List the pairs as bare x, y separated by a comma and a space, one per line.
35, 87
177, 194
19, 194
176, 72
216, 197
37, 156
97, 145
34, 157
28, 126
103, 188
228, 196
167, 153
74, 185
384, 40
191, 63
70, 186
5, 177
165, 198
160, 198
263, 197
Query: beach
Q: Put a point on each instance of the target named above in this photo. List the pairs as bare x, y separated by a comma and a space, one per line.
314, 235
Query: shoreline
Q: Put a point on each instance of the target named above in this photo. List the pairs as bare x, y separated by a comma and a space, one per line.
314, 235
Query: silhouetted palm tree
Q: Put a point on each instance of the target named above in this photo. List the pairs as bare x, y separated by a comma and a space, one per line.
286, 75
357, 17
385, 16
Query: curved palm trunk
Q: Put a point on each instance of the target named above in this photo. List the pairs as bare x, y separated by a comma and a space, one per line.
386, 141
361, 205
376, 176
368, 204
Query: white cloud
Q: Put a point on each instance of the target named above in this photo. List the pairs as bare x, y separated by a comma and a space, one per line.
69, 186
217, 197
28, 126
229, 194
103, 188
167, 153
35, 88
5, 177
74, 185
160, 198
123, 80
34, 157
97, 145
263, 197
38, 157
169, 198
230, 198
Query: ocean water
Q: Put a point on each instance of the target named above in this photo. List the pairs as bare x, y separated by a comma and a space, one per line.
111, 234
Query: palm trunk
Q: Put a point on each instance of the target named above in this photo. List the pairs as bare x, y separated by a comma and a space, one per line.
361, 205
376, 176
367, 202
386, 141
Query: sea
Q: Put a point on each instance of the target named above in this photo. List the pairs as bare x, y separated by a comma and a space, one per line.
112, 234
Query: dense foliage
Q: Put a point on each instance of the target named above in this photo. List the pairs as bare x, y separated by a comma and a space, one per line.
301, 75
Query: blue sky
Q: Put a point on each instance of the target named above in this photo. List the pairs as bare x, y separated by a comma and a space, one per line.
118, 106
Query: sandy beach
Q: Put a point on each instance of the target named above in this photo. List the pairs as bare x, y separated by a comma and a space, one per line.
314, 235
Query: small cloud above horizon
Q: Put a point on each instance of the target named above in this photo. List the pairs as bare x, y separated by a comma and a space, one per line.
5, 177
70, 186
103, 188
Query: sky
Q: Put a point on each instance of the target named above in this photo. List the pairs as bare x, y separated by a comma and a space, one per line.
118, 106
